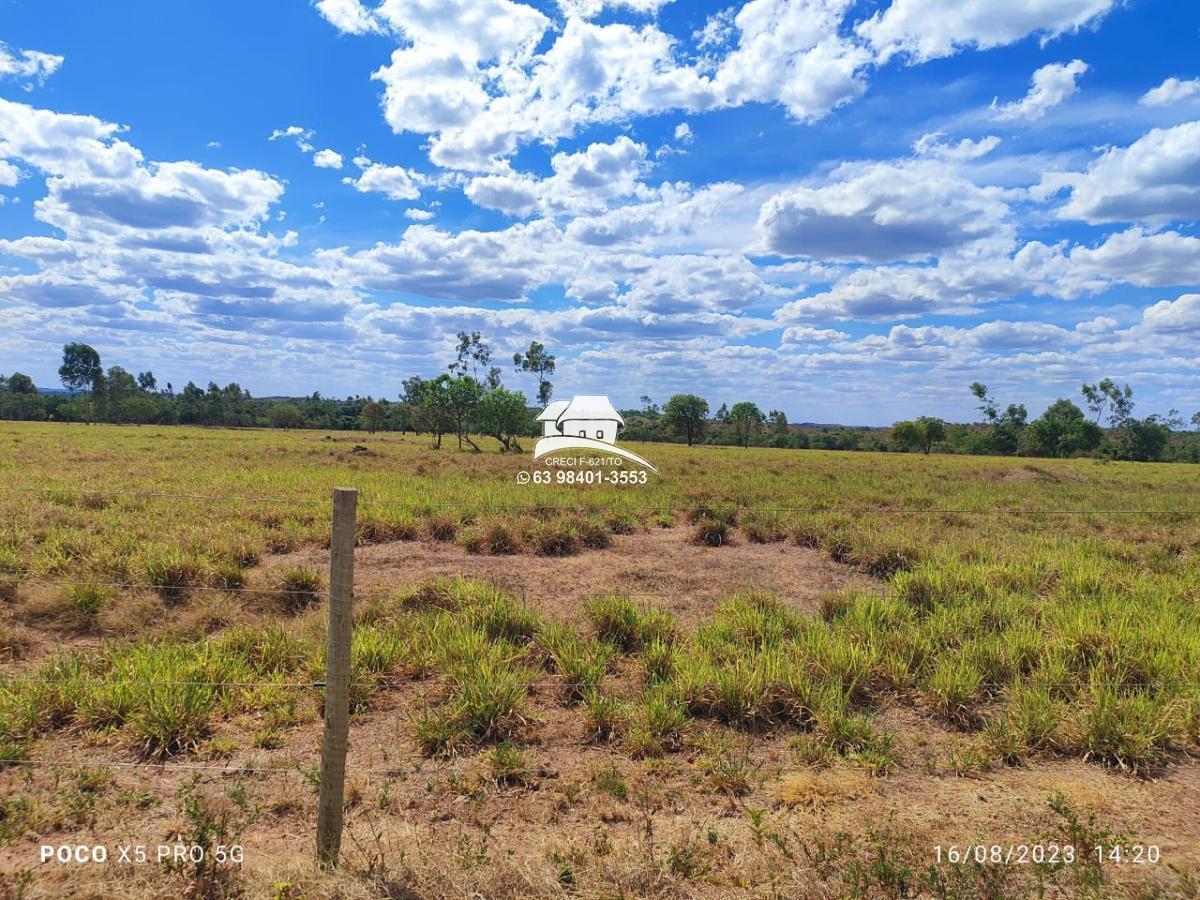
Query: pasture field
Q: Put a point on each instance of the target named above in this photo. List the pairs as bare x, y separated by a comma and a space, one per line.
762, 673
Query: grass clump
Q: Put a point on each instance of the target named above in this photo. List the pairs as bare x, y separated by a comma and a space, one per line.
712, 532
602, 714
655, 723
442, 528
84, 603
580, 662
171, 571
626, 625
1127, 731
299, 587
953, 690
507, 765
554, 538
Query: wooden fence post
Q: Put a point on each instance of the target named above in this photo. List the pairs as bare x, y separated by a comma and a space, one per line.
337, 677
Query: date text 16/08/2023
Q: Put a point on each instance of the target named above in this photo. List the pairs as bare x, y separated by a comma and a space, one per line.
1049, 854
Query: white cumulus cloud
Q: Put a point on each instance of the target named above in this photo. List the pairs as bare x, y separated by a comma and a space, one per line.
881, 211
394, 182
327, 159
1052, 84
1154, 179
929, 29
1172, 90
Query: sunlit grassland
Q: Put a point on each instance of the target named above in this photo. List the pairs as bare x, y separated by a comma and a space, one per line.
1048, 607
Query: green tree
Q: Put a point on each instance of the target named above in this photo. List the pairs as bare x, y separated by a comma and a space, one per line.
746, 419
81, 370
1106, 396
462, 397
504, 415
1143, 440
987, 406
474, 355
18, 396
920, 434
537, 362
120, 388
372, 415
283, 415
1062, 430
686, 414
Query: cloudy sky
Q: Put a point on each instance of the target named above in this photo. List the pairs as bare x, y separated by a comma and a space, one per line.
847, 210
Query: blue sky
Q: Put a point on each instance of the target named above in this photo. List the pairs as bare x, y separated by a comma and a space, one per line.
849, 211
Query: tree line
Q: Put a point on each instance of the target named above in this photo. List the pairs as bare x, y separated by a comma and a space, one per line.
469, 399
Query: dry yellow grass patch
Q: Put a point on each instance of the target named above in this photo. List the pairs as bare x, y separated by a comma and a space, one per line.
816, 789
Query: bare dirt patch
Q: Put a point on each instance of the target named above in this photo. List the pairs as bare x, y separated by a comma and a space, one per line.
660, 565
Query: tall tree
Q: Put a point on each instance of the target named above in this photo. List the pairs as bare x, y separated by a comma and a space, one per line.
987, 406
81, 370
746, 419
921, 434
778, 421
282, 415
474, 355
146, 381
537, 362
1106, 396
372, 415
686, 414
463, 395
19, 398
120, 387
